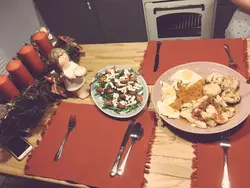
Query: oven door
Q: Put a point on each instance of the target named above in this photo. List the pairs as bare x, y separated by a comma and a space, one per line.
179, 19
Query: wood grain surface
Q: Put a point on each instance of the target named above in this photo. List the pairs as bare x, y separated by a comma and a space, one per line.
171, 155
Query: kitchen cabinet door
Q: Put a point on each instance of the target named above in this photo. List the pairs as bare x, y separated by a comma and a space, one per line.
121, 20
224, 13
75, 18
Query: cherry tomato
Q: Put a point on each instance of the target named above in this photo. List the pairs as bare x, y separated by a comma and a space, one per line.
102, 78
110, 91
131, 92
121, 106
109, 102
139, 98
133, 78
99, 89
107, 72
125, 80
122, 96
116, 84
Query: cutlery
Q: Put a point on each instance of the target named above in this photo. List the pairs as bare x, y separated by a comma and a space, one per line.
156, 65
71, 126
122, 147
231, 63
225, 144
135, 135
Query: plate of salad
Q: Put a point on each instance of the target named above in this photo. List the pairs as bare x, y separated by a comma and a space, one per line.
119, 91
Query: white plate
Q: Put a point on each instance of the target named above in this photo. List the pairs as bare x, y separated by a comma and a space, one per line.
204, 69
99, 102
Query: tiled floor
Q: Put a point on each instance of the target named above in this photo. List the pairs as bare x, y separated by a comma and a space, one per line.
16, 182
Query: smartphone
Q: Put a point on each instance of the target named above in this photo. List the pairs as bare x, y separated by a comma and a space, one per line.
18, 147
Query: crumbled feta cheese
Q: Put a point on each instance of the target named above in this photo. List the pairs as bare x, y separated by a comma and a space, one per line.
120, 84
126, 72
130, 82
138, 85
106, 85
123, 89
108, 78
115, 95
112, 72
128, 97
123, 103
122, 78
111, 84
132, 98
131, 89
131, 103
114, 102
141, 92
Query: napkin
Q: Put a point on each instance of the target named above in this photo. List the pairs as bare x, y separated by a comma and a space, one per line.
177, 52
91, 148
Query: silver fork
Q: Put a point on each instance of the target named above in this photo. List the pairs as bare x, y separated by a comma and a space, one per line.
71, 126
231, 63
225, 144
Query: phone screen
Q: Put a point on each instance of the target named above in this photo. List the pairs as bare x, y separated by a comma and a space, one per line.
17, 145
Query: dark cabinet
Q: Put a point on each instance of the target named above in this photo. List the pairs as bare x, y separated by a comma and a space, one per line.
95, 21
121, 20
224, 12
73, 18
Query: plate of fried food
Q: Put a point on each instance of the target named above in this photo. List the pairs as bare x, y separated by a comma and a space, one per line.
202, 97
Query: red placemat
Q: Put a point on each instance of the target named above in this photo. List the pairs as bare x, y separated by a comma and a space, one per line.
177, 52
208, 163
91, 148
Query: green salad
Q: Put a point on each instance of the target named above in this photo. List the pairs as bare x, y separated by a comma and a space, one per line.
119, 89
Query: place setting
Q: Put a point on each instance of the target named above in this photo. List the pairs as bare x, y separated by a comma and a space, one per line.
185, 94
112, 139
188, 108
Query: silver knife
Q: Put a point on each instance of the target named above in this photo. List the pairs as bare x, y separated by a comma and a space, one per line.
156, 65
122, 147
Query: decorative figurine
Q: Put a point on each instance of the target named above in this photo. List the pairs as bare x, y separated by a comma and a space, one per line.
73, 49
73, 75
54, 78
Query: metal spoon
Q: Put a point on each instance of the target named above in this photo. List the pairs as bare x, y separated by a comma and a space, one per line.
135, 135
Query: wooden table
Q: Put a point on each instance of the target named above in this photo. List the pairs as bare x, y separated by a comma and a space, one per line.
171, 155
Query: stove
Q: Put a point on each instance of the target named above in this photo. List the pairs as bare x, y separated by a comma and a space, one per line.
179, 19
